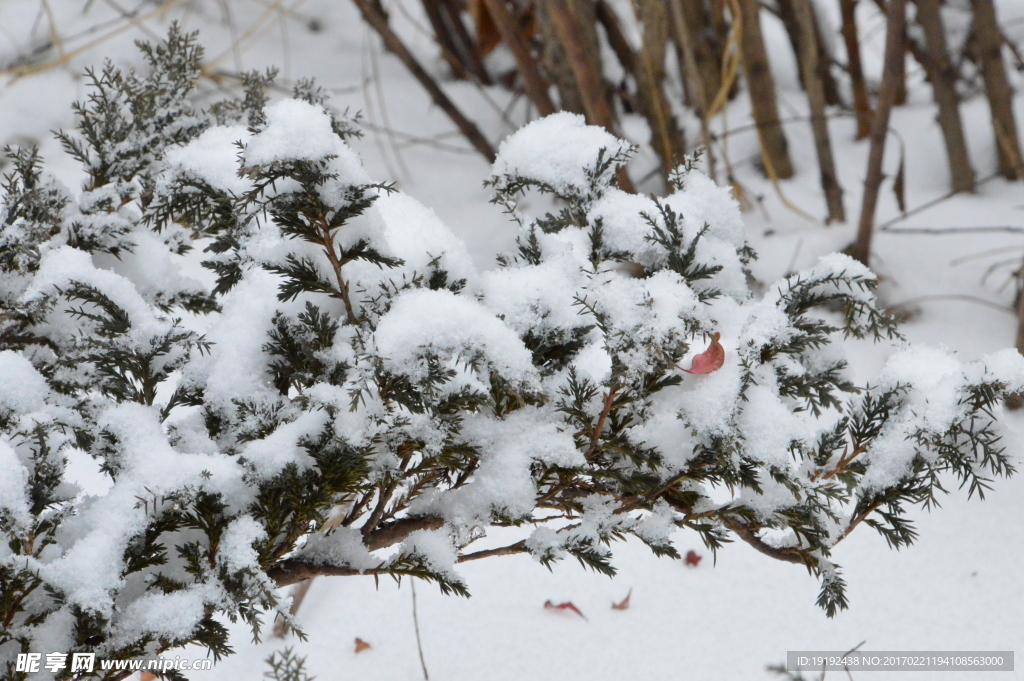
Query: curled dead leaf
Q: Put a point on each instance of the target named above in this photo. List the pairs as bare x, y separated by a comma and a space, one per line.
693, 559
361, 645
710, 360
624, 603
568, 605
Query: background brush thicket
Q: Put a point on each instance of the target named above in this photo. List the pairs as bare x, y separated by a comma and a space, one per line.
888, 130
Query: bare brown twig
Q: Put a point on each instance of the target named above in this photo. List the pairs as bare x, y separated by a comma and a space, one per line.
378, 20
894, 50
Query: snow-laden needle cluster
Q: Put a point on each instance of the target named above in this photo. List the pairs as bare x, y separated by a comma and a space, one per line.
364, 400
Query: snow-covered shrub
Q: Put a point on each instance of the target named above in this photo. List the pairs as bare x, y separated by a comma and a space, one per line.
352, 396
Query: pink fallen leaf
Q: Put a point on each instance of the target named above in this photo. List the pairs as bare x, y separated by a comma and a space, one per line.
624, 603
710, 360
564, 606
692, 559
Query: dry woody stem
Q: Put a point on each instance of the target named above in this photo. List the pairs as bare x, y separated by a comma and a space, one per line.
891, 75
375, 16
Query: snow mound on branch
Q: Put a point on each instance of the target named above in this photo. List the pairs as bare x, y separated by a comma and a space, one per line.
710, 406
648, 307
934, 381
55, 633
829, 268
702, 202
13, 485
936, 391
769, 425
239, 368
299, 131
457, 327
213, 158
269, 455
1006, 365
23, 389
342, 547
150, 266
89, 570
624, 226
235, 548
503, 482
435, 548
557, 150
593, 362
170, 615
66, 265
417, 235
534, 297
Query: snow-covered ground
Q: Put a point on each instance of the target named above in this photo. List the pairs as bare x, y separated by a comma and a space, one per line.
959, 588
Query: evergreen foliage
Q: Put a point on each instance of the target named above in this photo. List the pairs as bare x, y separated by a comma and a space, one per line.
287, 666
350, 396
